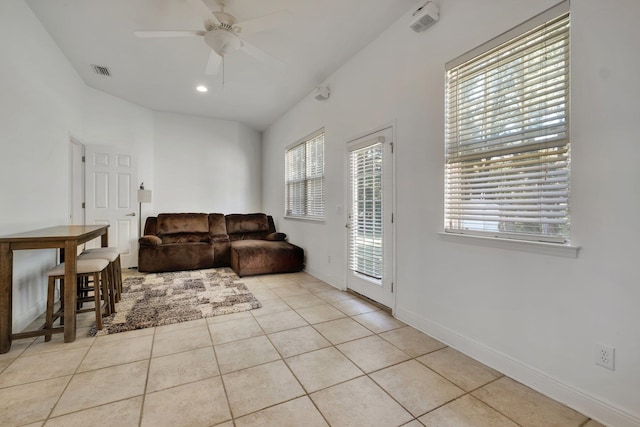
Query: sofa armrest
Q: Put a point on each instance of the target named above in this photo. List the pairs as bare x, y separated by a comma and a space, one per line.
149, 241
276, 237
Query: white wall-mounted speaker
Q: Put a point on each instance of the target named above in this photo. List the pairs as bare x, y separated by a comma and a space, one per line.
321, 93
424, 17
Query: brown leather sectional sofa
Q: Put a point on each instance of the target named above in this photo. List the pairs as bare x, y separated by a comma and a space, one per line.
248, 243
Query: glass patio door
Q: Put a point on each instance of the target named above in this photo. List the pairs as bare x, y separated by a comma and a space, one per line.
370, 223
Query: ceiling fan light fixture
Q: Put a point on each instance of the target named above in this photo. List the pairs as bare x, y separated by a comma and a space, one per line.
222, 41
226, 21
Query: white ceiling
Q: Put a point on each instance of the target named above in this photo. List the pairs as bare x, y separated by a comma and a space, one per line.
161, 74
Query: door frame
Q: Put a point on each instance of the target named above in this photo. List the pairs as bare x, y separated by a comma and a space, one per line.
76, 180
345, 217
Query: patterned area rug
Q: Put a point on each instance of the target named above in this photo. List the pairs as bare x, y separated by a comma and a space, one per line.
163, 298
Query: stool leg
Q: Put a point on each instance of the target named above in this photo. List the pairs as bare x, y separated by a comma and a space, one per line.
80, 290
113, 287
61, 300
107, 291
51, 293
119, 276
96, 298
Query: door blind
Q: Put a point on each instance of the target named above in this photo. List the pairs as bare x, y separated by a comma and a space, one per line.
507, 138
365, 225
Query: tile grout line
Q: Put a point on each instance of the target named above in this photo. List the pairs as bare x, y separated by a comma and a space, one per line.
224, 386
466, 393
146, 381
333, 345
368, 374
306, 393
66, 387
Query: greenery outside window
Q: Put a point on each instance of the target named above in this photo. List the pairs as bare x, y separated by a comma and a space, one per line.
507, 148
304, 178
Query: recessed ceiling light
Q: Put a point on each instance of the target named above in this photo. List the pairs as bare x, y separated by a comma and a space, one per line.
202, 88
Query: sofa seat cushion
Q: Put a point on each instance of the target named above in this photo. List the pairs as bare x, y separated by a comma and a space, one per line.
175, 257
185, 238
249, 257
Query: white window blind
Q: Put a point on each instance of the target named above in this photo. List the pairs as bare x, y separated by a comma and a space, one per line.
304, 172
365, 225
507, 138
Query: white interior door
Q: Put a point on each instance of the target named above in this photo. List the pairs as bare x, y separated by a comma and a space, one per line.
111, 176
370, 224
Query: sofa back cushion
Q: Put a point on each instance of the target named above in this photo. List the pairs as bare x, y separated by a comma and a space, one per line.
247, 226
179, 223
217, 225
151, 226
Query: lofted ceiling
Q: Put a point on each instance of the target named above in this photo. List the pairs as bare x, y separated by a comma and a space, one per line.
317, 37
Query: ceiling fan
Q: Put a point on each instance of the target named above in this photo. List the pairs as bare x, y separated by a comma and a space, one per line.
221, 34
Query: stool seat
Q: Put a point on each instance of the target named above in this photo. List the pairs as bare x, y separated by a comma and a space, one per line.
101, 250
83, 266
106, 255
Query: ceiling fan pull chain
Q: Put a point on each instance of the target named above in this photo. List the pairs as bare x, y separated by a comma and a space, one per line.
223, 74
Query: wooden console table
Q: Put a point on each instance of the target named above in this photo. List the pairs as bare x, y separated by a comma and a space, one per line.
64, 237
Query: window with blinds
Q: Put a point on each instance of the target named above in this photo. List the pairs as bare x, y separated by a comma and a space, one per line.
507, 134
304, 176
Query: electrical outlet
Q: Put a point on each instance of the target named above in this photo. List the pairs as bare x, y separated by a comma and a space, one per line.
605, 356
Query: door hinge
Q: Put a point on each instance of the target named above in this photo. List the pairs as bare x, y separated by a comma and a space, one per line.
392, 218
391, 287
391, 143
84, 205
84, 159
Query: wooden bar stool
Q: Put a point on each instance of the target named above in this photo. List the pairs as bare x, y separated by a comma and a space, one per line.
113, 256
89, 268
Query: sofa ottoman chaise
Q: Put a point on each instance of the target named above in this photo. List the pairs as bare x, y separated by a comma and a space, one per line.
256, 248
248, 243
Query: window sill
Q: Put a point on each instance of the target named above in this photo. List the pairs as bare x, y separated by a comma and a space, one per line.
305, 218
555, 249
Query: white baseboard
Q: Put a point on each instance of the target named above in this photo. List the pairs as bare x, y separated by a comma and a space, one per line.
592, 407
321, 276
25, 318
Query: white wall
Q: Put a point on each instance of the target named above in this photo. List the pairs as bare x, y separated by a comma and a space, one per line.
43, 103
535, 317
38, 107
205, 165
109, 120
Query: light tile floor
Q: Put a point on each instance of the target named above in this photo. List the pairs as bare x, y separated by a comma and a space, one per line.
311, 356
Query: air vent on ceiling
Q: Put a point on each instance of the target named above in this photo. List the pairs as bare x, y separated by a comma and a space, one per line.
101, 70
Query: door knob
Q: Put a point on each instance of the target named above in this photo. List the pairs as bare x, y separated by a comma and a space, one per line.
131, 214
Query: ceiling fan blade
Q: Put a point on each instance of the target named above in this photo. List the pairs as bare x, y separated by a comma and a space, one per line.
154, 34
264, 23
213, 65
262, 55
